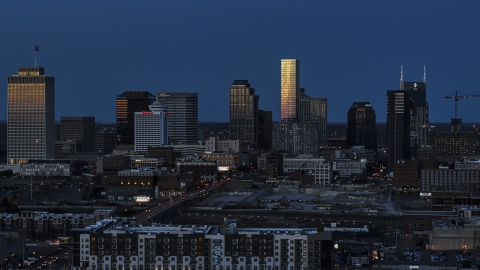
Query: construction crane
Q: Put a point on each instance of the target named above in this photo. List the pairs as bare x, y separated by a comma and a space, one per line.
457, 122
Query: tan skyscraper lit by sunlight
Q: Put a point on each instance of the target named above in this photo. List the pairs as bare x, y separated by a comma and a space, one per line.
31, 115
290, 80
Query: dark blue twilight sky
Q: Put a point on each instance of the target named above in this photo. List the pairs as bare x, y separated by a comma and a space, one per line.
348, 51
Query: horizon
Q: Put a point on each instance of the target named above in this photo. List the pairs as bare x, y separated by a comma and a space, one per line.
347, 51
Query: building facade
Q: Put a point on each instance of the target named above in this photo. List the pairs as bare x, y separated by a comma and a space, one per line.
399, 109
216, 144
105, 142
345, 168
452, 145
419, 115
314, 110
318, 167
243, 112
295, 137
226, 161
151, 128
31, 116
361, 126
205, 247
80, 129
182, 116
128, 103
290, 88
46, 168
265, 129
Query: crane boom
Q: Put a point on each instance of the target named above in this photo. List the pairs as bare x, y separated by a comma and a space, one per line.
456, 122
457, 97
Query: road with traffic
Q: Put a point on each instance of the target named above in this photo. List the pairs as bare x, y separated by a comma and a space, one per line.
159, 208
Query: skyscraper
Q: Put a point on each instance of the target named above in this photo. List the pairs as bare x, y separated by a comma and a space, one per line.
399, 111
80, 129
290, 85
182, 116
151, 128
265, 129
419, 116
31, 116
313, 110
361, 126
243, 112
128, 103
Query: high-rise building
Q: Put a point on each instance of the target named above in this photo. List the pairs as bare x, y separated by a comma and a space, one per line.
419, 115
182, 116
105, 142
295, 137
243, 112
128, 103
450, 146
79, 129
31, 116
290, 87
314, 110
399, 109
361, 126
151, 128
265, 129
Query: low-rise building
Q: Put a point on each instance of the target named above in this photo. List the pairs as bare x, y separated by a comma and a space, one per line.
347, 167
204, 169
46, 168
203, 247
113, 164
226, 161
308, 164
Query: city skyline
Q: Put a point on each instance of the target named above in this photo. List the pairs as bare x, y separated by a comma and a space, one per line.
348, 52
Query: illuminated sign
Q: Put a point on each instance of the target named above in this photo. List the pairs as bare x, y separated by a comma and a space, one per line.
425, 194
147, 113
182, 184
223, 168
141, 198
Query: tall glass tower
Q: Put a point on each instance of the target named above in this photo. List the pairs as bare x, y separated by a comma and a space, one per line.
290, 80
31, 116
182, 116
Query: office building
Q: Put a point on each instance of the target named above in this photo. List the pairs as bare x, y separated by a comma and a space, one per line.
295, 137
290, 87
361, 126
151, 127
419, 115
399, 107
226, 161
265, 129
450, 146
105, 142
128, 103
80, 129
182, 116
314, 110
243, 112
320, 168
216, 144
31, 115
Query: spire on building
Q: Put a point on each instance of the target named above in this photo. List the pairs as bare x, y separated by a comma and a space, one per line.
424, 74
401, 76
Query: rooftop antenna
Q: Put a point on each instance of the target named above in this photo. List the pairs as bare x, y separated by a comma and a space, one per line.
36, 50
424, 74
401, 76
